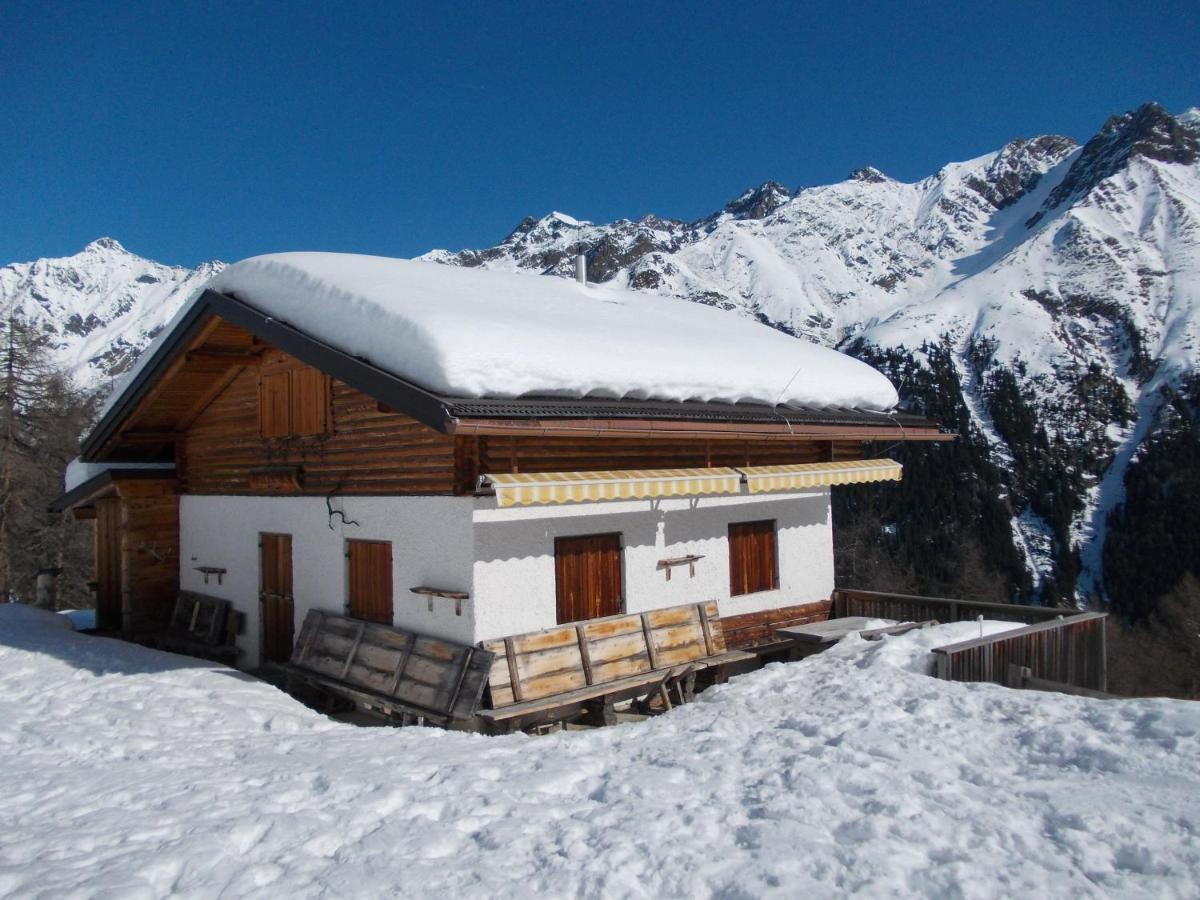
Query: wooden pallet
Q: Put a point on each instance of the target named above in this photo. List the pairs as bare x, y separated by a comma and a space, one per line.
559, 669
397, 672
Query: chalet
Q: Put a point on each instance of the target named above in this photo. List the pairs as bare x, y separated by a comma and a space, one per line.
470, 456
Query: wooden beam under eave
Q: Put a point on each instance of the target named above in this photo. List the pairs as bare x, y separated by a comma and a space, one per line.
675, 429
207, 398
150, 437
160, 385
83, 513
223, 356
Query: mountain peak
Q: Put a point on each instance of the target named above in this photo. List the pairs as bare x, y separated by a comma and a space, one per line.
1148, 132
111, 245
758, 202
868, 175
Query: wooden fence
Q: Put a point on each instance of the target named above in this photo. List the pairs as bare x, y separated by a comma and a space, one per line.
1069, 651
909, 608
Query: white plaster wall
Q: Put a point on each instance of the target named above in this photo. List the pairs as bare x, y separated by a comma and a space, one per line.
431, 545
514, 554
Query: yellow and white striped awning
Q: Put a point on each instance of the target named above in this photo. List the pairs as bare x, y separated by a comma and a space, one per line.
635, 484
764, 479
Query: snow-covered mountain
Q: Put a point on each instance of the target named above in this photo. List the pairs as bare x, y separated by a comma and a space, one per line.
100, 307
1064, 281
1055, 289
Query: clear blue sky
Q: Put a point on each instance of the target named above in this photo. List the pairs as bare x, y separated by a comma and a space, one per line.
197, 131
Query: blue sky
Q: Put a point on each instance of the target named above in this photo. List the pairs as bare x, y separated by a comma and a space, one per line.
198, 131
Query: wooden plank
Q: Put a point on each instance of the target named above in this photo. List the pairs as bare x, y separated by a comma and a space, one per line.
650, 649
402, 662
706, 626
510, 654
585, 655
353, 649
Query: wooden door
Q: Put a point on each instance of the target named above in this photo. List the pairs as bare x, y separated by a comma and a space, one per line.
275, 596
370, 580
587, 572
108, 564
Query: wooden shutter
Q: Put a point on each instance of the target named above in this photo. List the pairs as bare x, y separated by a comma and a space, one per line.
370, 580
309, 402
587, 575
752, 564
274, 412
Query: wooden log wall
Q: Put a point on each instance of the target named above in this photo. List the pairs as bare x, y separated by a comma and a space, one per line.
369, 450
149, 514
756, 629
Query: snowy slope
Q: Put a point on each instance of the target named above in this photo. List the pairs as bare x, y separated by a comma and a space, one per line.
101, 306
130, 772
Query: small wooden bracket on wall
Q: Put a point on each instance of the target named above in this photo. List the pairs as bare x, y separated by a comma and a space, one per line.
212, 570
429, 593
689, 561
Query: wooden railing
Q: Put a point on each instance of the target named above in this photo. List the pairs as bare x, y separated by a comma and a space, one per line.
1068, 651
909, 608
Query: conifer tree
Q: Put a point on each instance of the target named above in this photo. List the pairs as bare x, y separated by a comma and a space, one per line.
41, 417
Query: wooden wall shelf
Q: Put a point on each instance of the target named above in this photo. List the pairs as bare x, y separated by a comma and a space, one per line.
689, 561
429, 593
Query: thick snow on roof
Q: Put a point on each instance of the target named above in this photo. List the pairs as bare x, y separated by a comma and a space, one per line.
131, 772
469, 333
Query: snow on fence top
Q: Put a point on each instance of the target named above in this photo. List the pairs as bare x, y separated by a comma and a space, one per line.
468, 333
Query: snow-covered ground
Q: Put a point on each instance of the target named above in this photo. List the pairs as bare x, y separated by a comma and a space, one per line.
133, 773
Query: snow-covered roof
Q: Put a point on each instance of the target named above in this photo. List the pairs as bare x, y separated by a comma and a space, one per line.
469, 333
78, 472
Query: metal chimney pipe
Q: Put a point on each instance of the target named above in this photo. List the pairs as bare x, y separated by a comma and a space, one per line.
581, 268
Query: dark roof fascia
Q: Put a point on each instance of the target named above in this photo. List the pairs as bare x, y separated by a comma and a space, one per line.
693, 411
388, 389
183, 331
85, 491
394, 392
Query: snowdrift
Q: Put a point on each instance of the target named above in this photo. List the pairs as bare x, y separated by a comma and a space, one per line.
130, 772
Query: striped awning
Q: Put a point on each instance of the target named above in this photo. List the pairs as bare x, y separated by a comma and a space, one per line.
635, 484
764, 479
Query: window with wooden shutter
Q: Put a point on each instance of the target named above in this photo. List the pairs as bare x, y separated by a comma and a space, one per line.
293, 402
752, 563
370, 580
274, 405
